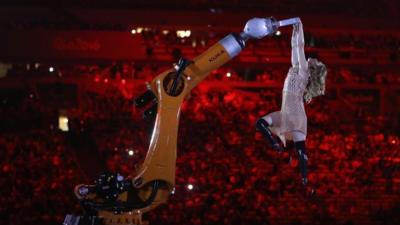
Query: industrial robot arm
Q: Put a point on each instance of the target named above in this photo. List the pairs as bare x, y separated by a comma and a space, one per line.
114, 197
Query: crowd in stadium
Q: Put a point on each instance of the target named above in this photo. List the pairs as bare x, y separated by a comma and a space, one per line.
236, 177
233, 175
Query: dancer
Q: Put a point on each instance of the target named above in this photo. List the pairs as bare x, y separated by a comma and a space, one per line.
305, 80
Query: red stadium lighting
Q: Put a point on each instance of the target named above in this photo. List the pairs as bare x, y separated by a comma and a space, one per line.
6, 168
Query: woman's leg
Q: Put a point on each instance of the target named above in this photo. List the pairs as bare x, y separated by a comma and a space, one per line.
299, 139
272, 119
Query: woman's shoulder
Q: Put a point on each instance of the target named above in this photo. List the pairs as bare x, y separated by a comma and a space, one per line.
298, 70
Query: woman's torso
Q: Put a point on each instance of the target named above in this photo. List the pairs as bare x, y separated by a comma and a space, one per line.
296, 81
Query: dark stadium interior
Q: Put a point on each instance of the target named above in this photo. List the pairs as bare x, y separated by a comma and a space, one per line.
86, 61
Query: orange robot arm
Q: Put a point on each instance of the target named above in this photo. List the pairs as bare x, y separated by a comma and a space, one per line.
114, 197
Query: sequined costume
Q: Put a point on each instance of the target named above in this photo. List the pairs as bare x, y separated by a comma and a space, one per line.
292, 116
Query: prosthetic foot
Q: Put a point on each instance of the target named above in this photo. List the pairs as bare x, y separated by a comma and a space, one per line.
262, 126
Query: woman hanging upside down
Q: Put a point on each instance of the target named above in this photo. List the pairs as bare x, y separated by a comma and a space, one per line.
304, 80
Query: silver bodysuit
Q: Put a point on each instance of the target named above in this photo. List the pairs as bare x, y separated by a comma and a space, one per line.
292, 116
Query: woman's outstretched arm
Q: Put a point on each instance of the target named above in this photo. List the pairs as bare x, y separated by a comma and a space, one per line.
300, 47
295, 59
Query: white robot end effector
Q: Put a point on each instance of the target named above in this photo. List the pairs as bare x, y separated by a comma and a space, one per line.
258, 28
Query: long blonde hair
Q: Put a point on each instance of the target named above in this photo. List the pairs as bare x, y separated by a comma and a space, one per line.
316, 82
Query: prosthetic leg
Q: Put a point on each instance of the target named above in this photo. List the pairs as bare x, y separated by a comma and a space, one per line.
303, 158
300, 147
